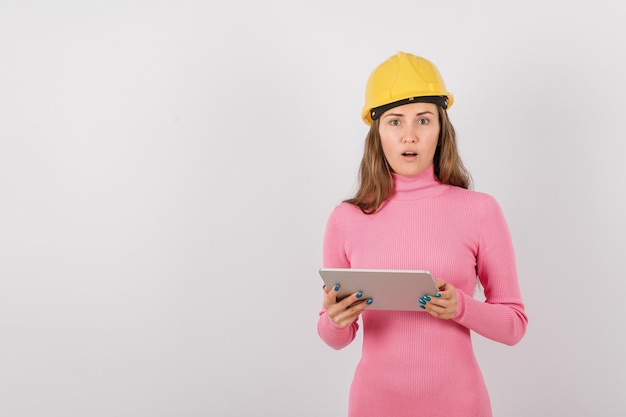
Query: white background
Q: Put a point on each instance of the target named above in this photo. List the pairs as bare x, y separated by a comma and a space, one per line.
167, 168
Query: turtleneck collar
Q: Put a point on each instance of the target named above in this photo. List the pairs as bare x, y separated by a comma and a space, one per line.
415, 188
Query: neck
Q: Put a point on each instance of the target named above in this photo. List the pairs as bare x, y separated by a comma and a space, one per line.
414, 188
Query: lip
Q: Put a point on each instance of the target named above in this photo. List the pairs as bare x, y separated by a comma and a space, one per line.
409, 155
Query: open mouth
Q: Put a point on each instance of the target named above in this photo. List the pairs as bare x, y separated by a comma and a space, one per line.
409, 153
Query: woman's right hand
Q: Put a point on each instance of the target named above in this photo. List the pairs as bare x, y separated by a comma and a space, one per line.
344, 312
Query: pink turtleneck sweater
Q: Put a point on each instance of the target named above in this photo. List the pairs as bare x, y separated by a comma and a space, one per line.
413, 364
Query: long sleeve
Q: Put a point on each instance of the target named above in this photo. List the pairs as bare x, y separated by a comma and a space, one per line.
501, 317
334, 257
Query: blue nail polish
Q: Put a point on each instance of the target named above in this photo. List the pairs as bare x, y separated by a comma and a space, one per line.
422, 307
437, 295
359, 294
427, 298
422, 302
369, 301
337, 287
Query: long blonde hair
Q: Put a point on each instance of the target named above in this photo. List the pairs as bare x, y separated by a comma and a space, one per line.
376, 181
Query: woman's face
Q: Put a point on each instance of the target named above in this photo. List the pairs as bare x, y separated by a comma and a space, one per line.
409, 135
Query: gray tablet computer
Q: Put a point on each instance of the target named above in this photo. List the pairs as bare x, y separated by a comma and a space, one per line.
390, 289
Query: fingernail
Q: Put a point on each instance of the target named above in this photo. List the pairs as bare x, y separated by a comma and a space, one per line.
422, 306
370, 301
427, 298
337, 287
422, 301
437, 295
359, 294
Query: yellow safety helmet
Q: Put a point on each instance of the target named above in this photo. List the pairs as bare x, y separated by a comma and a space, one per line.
403, 78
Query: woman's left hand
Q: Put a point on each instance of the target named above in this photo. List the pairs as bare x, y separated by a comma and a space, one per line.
444, 306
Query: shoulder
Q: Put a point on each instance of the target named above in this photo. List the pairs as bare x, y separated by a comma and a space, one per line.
347, 216
346, 210
473, 196
478, 203
344, 218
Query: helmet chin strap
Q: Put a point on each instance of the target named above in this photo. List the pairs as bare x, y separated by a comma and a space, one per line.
440, 101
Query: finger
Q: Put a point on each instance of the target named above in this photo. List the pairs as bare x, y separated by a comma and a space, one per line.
348, 310
437, 307
331, 297
331, 300
439, 312
341, 317
440, 299
356, 304
333, 292
352, 312
352, 299
443, 304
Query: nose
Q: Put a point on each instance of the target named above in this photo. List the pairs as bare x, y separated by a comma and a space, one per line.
409, 135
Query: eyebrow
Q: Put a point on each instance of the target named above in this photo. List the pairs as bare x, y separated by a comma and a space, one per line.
418, 114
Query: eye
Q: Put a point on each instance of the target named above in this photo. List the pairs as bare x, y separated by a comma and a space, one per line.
394, 122
423, 121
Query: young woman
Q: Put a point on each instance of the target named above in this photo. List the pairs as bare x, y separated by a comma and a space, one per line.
414, 210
